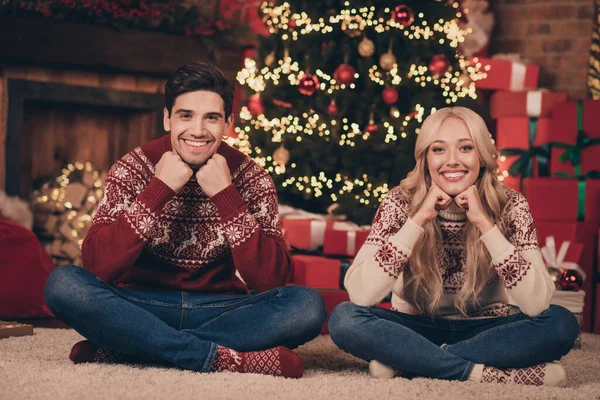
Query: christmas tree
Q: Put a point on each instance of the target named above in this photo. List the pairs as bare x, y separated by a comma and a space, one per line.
337, 92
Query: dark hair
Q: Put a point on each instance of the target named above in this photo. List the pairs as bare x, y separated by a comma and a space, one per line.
199, 76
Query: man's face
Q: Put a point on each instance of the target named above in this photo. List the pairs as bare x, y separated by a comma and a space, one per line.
452, 160
197, 125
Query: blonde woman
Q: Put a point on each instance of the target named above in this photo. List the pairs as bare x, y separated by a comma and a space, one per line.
453, 246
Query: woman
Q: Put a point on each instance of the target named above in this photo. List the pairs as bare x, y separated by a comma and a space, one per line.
453, 245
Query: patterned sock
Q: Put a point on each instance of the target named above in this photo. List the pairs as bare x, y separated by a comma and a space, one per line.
86, 351
278, 361
548, 374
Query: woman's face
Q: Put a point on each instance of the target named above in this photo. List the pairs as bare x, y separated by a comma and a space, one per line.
452, 160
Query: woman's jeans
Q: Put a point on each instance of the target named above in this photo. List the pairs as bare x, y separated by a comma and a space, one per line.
448, 349
182, 328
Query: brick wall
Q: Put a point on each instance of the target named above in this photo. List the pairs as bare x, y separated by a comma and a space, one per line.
554, 34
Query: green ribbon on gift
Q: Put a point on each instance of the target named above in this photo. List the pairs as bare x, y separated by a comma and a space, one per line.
580, 189
573, 151
524, 164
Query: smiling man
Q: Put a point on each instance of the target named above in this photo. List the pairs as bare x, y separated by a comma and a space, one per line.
179, 217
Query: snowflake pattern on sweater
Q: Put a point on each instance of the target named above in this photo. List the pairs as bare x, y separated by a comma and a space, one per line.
516, 258
187, 231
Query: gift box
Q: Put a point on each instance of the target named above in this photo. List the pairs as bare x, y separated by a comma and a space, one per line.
574, 302
575, 138
586, 234
304, 234
524, 148
509, 75
563, 200
534, 103
332, 298
344, 242
319, 272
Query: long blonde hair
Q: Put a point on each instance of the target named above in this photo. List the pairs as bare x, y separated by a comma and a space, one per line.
423, 281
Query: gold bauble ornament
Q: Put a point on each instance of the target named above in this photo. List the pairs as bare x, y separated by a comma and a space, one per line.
281, 155
366, 47
387, 61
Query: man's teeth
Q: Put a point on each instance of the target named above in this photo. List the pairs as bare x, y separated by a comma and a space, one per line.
196, 144
453, 174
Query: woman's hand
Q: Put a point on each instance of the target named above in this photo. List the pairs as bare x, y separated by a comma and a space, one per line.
435, 201
470, 202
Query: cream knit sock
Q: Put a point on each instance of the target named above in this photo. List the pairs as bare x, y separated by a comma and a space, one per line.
548, 374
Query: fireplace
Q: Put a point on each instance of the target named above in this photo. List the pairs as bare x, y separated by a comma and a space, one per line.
49, 125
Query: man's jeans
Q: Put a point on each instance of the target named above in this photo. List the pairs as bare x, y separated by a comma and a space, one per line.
448, 349
182, 328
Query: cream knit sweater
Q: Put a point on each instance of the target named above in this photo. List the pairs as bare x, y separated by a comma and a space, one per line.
520, 270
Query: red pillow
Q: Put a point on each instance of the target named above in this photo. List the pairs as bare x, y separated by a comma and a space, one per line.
24, 269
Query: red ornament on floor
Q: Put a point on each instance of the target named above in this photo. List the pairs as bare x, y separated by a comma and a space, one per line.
308, 84
344, 74
570, 280
389, 95
403, 15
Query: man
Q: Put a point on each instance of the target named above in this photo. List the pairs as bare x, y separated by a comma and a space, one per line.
180, 214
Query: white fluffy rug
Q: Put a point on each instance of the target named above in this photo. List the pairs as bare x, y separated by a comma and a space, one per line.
37, 367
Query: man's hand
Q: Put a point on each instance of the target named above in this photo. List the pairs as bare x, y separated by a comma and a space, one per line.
435, 200
470, 202
214, 176
173, 171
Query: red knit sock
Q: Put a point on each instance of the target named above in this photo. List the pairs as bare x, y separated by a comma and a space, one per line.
278, 361
86, 351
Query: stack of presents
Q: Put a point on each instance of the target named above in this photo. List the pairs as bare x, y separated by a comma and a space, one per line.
550, 151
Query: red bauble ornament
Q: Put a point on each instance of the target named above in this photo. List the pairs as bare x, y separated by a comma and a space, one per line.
403, 15
332, 109
570, 280
372, 127
292, 23
389, 95
439, 64
344, 74
308, 84
255, 105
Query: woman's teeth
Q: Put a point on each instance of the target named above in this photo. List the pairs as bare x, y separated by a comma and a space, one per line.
453, 174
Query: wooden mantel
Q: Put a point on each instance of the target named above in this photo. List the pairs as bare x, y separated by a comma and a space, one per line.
106, 60
100, 48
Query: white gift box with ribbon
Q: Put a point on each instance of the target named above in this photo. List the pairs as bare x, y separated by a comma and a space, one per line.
557, 259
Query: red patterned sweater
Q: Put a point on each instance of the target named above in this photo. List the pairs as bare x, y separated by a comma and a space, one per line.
144, 235
520, 269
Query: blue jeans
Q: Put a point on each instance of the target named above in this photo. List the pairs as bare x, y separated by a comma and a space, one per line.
448, 349
182, 329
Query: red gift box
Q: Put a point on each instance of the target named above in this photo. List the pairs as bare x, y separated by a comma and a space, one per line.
304, 234
318, 272
513, 182
332, 298
514, 133
557, 199
534, 103
564, 130
344, 242
507, 75
585, 233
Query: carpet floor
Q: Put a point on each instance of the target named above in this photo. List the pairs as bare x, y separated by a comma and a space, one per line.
37, 367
